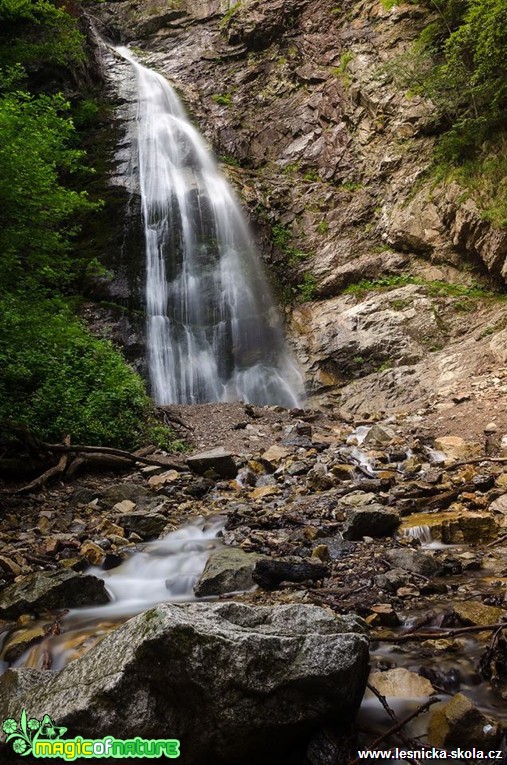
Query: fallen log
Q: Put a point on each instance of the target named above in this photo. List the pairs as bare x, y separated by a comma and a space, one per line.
130, 456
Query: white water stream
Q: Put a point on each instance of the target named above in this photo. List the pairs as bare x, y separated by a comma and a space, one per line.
161, 571
214, 333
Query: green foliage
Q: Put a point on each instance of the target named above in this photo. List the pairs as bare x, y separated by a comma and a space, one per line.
54, 376
59, 380
226, 18
432, 288
224, 99
34, 31
228, 160
460, 63
282, 239
38, 214
163, 437
307, 288
311, 175
323, 227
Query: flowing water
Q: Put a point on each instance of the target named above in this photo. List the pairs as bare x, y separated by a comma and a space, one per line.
214, 333
158, 572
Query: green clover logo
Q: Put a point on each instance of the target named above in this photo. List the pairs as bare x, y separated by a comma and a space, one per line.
24, 734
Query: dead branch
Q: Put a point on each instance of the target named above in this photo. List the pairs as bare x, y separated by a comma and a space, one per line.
475, 461
168, 415
496, 541
53, 472
398, 726
406, 637
130, 456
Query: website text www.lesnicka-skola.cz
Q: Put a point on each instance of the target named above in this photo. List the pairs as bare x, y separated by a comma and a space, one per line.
430, 753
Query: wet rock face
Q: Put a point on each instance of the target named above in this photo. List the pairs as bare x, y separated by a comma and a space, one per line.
44, 591
326, 150
174, 665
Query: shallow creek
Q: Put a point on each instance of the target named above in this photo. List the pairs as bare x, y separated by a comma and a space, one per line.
166, 570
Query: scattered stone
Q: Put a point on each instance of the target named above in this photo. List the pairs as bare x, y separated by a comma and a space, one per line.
400, 683
379, 435
219, 460
321, 552
20, 640
414, 561
157, 481
454, 447
273, 456
371, 520
264, 491
9, 565
92, 552
109, 528
471, 612
227, 570
146, 525
460, 723
126, 506
383, 615
128, 490
392, 580
48, 590
301, 664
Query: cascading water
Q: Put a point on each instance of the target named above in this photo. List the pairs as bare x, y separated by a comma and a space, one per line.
164, 570
214, 333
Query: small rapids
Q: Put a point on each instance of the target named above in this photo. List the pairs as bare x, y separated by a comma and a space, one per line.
161, 571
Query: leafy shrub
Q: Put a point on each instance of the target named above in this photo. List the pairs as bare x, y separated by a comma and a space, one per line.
58, 379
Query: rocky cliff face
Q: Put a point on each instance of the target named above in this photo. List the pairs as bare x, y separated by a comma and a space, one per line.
300, 102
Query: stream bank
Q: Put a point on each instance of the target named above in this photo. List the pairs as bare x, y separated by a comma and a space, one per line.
350, 501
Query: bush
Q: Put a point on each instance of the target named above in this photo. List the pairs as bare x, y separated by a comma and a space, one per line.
59, 380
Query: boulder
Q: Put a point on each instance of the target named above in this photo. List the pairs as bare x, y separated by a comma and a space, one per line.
400, 683
414, 561
470, 613
370, 520
454, 447
218, 460
379, 435
460, 723
147, 525
47, 591
121, 491
234, 683
227, 570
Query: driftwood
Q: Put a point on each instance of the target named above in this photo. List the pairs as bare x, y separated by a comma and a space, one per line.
269, 574
104, 456
130, 456
398, 727
53, 472
407, 636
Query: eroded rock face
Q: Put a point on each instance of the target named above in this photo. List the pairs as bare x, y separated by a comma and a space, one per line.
230, 681
329, 155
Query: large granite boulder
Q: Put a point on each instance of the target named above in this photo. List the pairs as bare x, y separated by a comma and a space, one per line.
227, 570
235, 683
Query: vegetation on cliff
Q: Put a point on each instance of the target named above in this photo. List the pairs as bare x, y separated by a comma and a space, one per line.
460, 63
55, 378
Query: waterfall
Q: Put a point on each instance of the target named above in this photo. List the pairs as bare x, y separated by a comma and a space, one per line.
214, 333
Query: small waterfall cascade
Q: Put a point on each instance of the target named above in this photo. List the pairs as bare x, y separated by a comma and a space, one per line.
162, 571
214, 333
